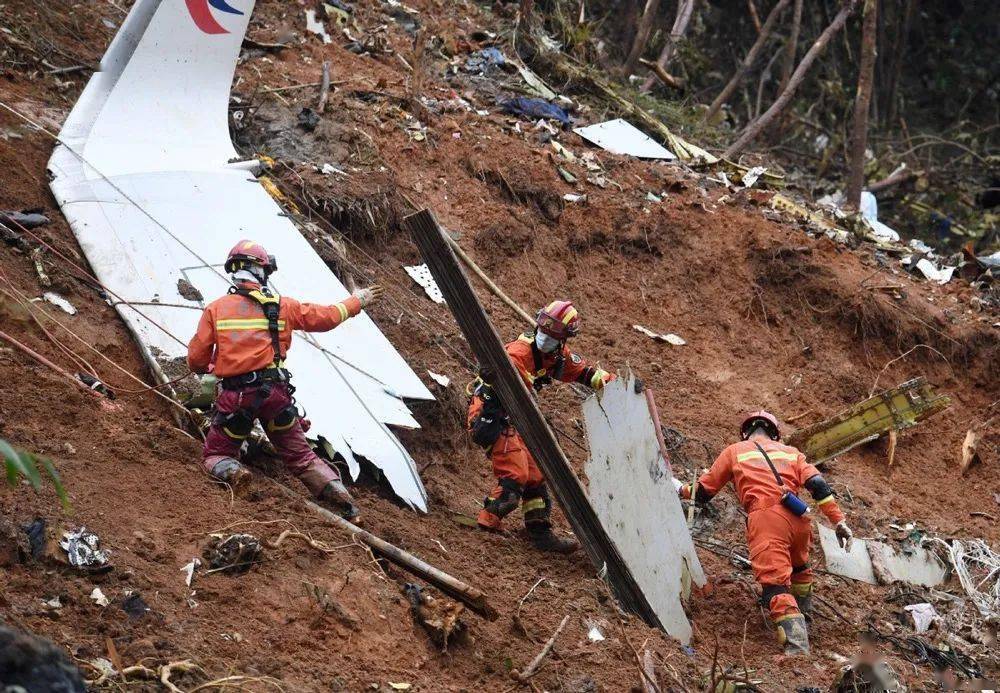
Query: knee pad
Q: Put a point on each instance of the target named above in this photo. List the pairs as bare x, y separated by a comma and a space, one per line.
770, 592
507, 501
236, 425
283, 420
536, 505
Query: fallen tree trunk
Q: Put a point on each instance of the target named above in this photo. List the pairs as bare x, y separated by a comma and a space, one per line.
753, 130
472, 597
748, 61
862, 106
524, 413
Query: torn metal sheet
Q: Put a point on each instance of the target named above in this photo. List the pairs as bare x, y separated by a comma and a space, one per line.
895, 409
915, 566
620, 137
422, 276
633, 495
154, 191
856, 565
60, 302
669, 338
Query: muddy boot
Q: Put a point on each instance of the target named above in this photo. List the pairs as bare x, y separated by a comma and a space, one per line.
232, 472
545, 540
336, 495
793, 635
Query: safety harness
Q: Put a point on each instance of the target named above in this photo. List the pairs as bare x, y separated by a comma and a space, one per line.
270, 304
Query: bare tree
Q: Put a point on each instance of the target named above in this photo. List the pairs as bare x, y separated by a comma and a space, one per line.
748, 61
862, 105
642, 33
792, 47
753, 130
685, 8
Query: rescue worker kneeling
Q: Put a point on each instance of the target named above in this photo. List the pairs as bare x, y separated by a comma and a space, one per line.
540, 357
242, 338
768, 477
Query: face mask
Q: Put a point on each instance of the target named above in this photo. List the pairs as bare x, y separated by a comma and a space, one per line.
545, 343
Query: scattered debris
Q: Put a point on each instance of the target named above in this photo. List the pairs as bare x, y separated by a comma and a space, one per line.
134, 605
595, 634
442, 380
308, 119
53, 603
60, 302
669, 337
29, 219
484, 61
98, 596
919, 651
566, 175
189, 569
899, 408
234, 554
749, 178
95, 384
876, 562
856, 564
867, 675
536, 108
327, 169
315, 26
573, 197
422, 276
83, 549
621, 137
400, 686
923, 615
440, 617
330, 605
189, 291
536, 663
933, 273
970, 450
978, 569
869, 213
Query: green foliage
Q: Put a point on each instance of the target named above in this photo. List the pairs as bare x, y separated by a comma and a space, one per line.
18, 464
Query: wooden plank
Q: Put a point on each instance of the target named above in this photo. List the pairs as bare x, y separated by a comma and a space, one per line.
524, 413
890, 410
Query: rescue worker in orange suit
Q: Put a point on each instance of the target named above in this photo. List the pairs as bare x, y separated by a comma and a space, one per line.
242, 338
540, 357
779, 528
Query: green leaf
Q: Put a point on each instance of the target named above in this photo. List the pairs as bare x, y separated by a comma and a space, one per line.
56, 483
20, 466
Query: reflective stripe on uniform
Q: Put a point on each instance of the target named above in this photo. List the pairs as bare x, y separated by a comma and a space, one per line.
344, 314
802, 589
245, 324
533, 504
777, 455
788, 617
828, 499
598, 378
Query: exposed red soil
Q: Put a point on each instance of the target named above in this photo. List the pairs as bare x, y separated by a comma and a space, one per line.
772, 317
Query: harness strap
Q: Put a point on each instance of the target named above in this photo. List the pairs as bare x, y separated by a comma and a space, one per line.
271, 305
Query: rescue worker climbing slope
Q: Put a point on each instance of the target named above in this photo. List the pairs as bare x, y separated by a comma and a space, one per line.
540, 357
242, 338
779, 528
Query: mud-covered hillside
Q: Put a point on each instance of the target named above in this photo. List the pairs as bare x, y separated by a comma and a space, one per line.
774, 315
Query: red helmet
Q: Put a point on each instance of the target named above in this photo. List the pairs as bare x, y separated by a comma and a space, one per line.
757, 418
250, 251
559, 320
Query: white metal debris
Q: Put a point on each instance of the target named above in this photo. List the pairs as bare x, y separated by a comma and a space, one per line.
442, 380
595, 634
869, 212
98, 596
60, 302
634, 498
750, 177
621, 137
155, 192
574, 197
856, 565
933, 273
422, 276
189, 569
923, 615
316, 27
669, 338
83, 548
915, 566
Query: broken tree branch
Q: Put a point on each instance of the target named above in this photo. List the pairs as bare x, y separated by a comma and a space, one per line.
685, 9
748, 61
536, 663
753, 130
664, 76
324, 88
900, 175
474, 598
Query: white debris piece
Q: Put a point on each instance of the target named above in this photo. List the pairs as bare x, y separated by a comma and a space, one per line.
750, 177
327, 169
316, 27
856, 565
422, 275
595, 634
189, 569
83, 548
620, 137
60, 302
915, 565
923, 615
933, 273
146, 164
53, 603
869, 212
669, 338
574, 197
442, 380
98, 596
634, 498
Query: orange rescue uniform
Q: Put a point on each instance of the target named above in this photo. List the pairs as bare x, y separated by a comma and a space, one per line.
233, 334
779, 540
518, 476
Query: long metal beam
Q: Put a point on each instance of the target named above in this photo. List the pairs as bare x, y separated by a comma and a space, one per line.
524, 413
